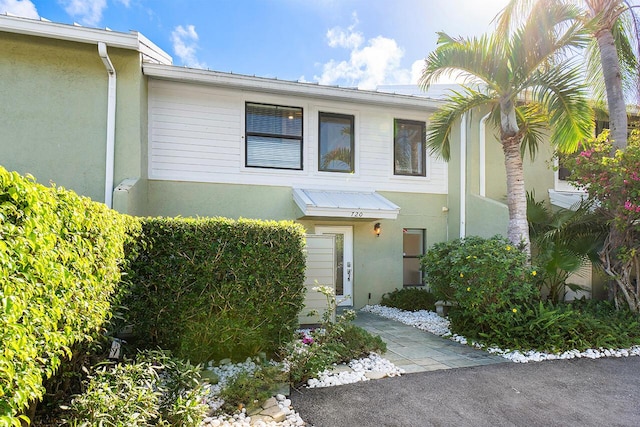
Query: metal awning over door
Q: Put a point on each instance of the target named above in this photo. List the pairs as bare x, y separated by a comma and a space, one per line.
344, 204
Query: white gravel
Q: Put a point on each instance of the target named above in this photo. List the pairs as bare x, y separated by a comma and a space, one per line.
429, 321
365, 369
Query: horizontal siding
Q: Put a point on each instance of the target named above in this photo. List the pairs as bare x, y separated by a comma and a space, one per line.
196, 133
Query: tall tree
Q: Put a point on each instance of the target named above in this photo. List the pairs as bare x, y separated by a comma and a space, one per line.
611, 58
516, 74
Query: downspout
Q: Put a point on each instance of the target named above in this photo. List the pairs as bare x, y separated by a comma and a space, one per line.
463, 176
111, 124
483, 164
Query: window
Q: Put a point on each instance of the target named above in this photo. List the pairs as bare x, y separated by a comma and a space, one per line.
409, 153
336, 143
274, 136
413, 248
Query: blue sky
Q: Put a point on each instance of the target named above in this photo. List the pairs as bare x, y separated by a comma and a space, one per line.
355, 43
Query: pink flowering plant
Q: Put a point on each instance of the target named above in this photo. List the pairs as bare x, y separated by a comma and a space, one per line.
612, 181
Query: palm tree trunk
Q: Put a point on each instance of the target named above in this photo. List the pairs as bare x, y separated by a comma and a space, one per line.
518, 231
613, 83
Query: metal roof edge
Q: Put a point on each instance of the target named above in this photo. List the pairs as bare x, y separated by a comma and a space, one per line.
52, 30
271, 85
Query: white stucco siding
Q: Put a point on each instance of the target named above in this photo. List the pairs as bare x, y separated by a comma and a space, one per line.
196, 133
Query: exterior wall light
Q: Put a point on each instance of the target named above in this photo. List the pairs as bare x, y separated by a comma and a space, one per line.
377, 229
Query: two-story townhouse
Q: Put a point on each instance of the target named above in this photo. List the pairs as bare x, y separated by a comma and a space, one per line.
107, 115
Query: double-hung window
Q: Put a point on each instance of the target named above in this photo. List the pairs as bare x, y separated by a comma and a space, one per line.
409, 153
273, 136
336, 143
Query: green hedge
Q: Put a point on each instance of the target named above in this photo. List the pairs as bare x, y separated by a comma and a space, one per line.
216, 288
60, 257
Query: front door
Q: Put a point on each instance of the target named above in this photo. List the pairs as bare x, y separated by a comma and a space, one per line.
344, 261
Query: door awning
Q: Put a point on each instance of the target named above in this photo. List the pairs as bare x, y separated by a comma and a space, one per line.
344, 204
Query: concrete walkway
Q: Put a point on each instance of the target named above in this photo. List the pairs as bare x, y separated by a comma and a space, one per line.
415, 350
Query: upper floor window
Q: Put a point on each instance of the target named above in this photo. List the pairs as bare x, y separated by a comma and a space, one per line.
273, 136
409, 153
336, 143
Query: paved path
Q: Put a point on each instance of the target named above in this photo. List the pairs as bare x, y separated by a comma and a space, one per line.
415, 350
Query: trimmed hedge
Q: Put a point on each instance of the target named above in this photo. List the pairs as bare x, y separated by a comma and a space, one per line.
214, 288
60, 257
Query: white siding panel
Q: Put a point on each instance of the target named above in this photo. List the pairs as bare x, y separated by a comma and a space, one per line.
196, 133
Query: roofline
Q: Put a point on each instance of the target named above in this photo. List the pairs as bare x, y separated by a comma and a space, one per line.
132, 40
270, 85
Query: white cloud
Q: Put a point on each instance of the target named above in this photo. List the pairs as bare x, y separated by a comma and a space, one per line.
125, 3
22, 8
375, 63
89, 12
185, 44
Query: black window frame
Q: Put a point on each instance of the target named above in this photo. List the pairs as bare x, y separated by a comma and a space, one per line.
352, 122
248, 134
396, 123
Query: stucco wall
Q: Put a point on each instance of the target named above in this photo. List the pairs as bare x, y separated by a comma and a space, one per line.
54, 107
377, 260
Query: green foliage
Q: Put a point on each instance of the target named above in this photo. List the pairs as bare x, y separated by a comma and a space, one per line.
563, 241
250, 390
155, 389
612, 180
561, 327
60, 260
216, 288
333, 342
488, 278
409, 299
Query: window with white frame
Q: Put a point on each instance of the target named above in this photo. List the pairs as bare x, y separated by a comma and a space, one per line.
409, 153
336, 143
273, 136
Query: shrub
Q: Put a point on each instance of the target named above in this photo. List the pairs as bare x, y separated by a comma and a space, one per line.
250, 390
488, 278
216, 288
60, 259
409, 299
155, 389
562, 327
333, 342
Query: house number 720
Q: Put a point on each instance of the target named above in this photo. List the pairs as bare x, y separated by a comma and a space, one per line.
356, 214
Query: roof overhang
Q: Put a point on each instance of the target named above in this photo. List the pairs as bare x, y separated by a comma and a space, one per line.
344, 204
275, 86
566, 199
51, 30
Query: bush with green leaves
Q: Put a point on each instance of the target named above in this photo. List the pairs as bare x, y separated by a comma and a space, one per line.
489, 279
216, 288
60, 260
154, 389
333, 342
250, 389
550, 327
409, 299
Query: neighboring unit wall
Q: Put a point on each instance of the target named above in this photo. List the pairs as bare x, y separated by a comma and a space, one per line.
54, 112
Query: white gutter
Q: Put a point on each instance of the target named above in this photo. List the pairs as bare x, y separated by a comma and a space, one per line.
463, 176
111, 124
483, 164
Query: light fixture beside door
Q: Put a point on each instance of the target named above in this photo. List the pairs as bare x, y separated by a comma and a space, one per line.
377, 229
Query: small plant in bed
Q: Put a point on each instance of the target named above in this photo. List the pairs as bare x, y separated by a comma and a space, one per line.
409, 299
333, 342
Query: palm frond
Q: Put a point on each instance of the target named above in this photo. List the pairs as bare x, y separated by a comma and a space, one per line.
442, 121
479, 58
563, 95
533, 121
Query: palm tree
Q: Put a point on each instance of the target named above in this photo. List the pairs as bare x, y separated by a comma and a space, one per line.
563, 241
513, 74
612, 56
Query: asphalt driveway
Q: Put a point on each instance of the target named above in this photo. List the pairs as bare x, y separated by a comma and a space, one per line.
583, 392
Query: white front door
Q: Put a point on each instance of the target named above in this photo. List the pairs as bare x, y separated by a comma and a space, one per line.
344, 261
